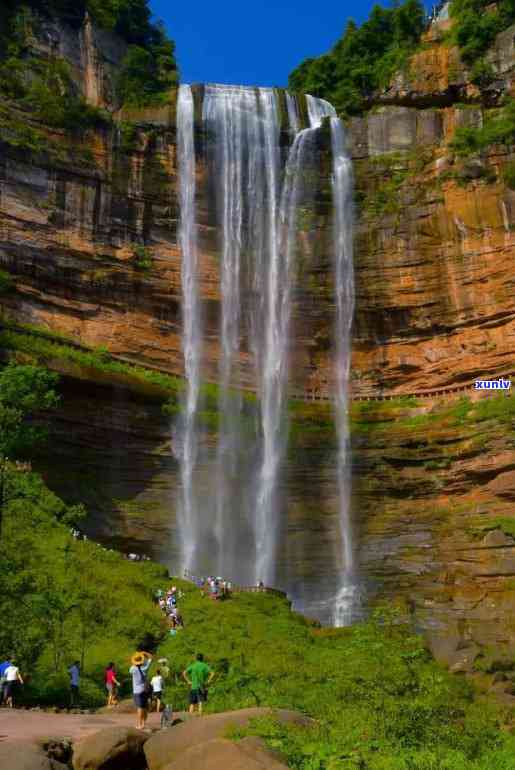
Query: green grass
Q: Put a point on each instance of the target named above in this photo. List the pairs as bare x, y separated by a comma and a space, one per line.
378, 699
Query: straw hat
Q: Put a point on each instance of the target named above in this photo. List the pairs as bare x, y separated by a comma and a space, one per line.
138, 659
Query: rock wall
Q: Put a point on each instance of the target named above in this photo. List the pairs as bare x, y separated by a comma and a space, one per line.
88, 234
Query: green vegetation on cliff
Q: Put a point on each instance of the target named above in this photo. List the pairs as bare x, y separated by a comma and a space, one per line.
476, 24
45, 87
364, 59
498, 128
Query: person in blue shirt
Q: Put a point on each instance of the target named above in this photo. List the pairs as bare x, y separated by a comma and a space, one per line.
141, 688
3, 668
74, 672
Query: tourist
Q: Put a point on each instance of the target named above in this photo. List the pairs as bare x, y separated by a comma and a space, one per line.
111, 684
140, 686
157, 683
165, 669
12, 680
3, 668
74, 672
198, 675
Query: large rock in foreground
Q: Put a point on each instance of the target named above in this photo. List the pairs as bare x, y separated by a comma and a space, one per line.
247, 754
165, 750
115, 748
17, 755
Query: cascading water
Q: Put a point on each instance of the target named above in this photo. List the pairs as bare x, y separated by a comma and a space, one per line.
344, 602
186, 435
345, 605
225, 113
261, 188
293, 113
273, 380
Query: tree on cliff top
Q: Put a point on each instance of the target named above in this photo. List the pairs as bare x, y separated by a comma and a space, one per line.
364, 59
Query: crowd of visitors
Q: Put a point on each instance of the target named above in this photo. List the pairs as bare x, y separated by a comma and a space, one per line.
167, 603
148, 691
214, 587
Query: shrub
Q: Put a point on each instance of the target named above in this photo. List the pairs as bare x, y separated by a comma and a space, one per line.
476, 24
142, 258
7, 284
508, 175
498, 128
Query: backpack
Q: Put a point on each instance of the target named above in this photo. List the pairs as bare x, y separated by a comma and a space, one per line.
146, 684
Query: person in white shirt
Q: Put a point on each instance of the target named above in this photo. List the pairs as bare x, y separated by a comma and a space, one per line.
157, 683
12, 680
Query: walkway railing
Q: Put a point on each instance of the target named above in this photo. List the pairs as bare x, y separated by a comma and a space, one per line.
310, 394
236, 589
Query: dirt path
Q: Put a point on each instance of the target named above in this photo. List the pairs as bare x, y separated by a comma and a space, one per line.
32, 726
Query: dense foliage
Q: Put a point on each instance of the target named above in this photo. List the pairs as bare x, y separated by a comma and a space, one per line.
45, 87
477, 22
61, 598
379, 701
364, 59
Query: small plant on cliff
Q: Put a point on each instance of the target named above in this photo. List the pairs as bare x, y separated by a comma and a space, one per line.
142, 258
7, 284
508, 175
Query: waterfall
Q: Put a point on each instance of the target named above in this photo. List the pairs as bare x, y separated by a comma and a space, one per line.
293, 113
186, 435
225, 114
346, 596
261, 184
274, 364
342, 183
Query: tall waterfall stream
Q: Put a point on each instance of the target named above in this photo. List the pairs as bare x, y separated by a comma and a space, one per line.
231, 520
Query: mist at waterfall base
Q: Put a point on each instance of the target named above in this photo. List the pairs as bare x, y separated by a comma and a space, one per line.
233, 508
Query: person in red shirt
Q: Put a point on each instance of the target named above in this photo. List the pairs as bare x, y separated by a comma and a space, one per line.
111, 684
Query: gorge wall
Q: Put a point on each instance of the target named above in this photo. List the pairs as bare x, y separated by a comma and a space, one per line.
88, 238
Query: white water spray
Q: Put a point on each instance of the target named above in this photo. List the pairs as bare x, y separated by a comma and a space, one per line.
187, 439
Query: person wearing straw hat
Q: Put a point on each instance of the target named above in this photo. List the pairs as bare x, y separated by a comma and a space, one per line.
140, 686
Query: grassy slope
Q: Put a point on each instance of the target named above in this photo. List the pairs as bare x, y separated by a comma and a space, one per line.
379, 700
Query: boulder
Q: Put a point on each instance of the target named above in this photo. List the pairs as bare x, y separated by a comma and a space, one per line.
17, 755
114, 748
226, 754
168, 746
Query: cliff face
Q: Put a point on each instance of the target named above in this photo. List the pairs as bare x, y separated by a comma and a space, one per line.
88, 236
